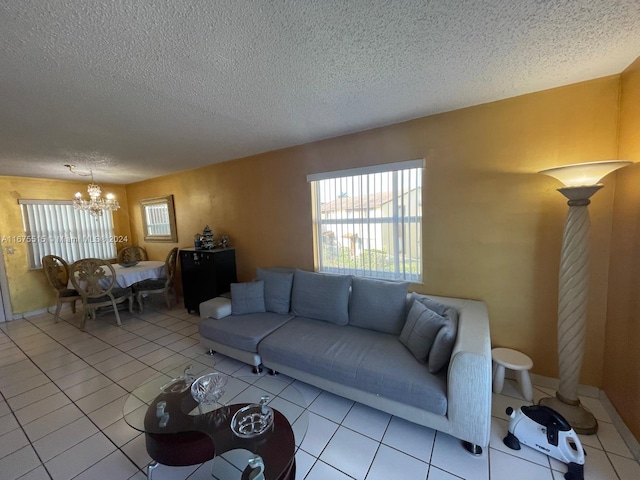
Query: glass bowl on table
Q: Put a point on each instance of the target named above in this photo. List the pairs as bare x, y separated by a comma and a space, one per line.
253, 420
207, 390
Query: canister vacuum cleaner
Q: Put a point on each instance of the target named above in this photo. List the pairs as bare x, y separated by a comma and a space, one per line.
545, 430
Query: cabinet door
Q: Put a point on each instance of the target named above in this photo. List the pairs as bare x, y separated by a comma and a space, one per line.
206, 274
225, 271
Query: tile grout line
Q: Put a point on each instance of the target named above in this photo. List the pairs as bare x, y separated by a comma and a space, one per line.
100, 430
86, 415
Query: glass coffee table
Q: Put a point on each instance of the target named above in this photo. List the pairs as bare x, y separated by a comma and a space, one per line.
251, 430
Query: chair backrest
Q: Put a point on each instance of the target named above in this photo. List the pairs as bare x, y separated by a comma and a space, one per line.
56, 270
170, 265
132, 254
92, 277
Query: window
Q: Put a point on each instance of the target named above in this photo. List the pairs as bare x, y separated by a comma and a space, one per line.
368, 221
159, 219
54, 227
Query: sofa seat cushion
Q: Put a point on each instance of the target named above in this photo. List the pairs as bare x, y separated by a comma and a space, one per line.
371, 361
243, 332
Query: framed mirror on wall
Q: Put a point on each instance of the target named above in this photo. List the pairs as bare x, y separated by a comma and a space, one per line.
159, 219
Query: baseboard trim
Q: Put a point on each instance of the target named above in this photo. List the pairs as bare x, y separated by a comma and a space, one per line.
623, 430
51, 309
552, 383
32, 313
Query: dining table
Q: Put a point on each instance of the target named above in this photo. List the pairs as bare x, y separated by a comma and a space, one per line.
128, 275
143, 270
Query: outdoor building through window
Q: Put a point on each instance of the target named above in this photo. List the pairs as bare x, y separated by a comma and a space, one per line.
368, 221
54, 227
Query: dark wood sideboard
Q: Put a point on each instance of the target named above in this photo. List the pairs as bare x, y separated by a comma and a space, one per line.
206, 274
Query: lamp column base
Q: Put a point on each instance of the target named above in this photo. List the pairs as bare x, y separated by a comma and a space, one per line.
580, 419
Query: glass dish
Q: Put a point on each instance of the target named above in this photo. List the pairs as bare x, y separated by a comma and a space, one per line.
208, 388
252, 420
179, 384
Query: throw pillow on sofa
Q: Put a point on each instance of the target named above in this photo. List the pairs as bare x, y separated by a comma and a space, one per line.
420, 330
437, 307
277, 289
378, 304
321, 297
247, 298
442, 348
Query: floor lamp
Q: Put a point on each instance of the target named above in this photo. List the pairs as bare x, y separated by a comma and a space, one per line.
581, 182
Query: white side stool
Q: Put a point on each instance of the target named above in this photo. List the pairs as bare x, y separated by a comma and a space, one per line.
516, 361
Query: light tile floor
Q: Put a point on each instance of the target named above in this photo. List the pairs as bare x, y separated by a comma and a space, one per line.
62, 393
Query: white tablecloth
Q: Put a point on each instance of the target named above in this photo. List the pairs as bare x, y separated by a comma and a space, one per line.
127, 276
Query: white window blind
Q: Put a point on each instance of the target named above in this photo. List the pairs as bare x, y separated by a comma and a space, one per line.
54, 227
158, 219
368, 221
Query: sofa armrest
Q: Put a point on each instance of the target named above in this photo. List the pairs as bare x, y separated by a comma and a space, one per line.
469, 373
217, 308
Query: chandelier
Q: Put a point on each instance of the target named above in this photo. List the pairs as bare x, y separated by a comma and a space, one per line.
96, 205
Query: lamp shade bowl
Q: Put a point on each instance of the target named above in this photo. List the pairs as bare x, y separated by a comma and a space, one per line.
584, 174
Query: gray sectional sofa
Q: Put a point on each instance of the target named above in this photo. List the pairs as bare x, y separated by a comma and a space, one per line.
423, 358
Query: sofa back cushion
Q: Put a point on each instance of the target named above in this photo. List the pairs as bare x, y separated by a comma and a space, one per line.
377, 304
321, 297
277, 289
247, 298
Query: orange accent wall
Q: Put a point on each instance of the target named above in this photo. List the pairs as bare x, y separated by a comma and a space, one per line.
622, 352
492, 225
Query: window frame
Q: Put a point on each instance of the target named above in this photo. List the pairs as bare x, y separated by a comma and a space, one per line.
406, 261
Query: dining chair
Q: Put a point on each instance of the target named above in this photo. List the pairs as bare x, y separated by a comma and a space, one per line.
132, 254
95, 280
160, 285
56, 269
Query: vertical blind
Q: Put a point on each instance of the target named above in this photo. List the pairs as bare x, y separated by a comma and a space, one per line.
157, 217
55, 228
368, 221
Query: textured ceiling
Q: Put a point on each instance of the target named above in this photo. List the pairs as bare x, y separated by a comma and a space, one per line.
134, 89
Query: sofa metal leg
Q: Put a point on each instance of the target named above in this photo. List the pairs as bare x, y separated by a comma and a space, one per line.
472, 448
211, 352
273, 373
152, 466
257, 370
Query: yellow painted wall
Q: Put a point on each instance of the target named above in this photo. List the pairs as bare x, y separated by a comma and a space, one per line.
29, 289
622, 354
492, 225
